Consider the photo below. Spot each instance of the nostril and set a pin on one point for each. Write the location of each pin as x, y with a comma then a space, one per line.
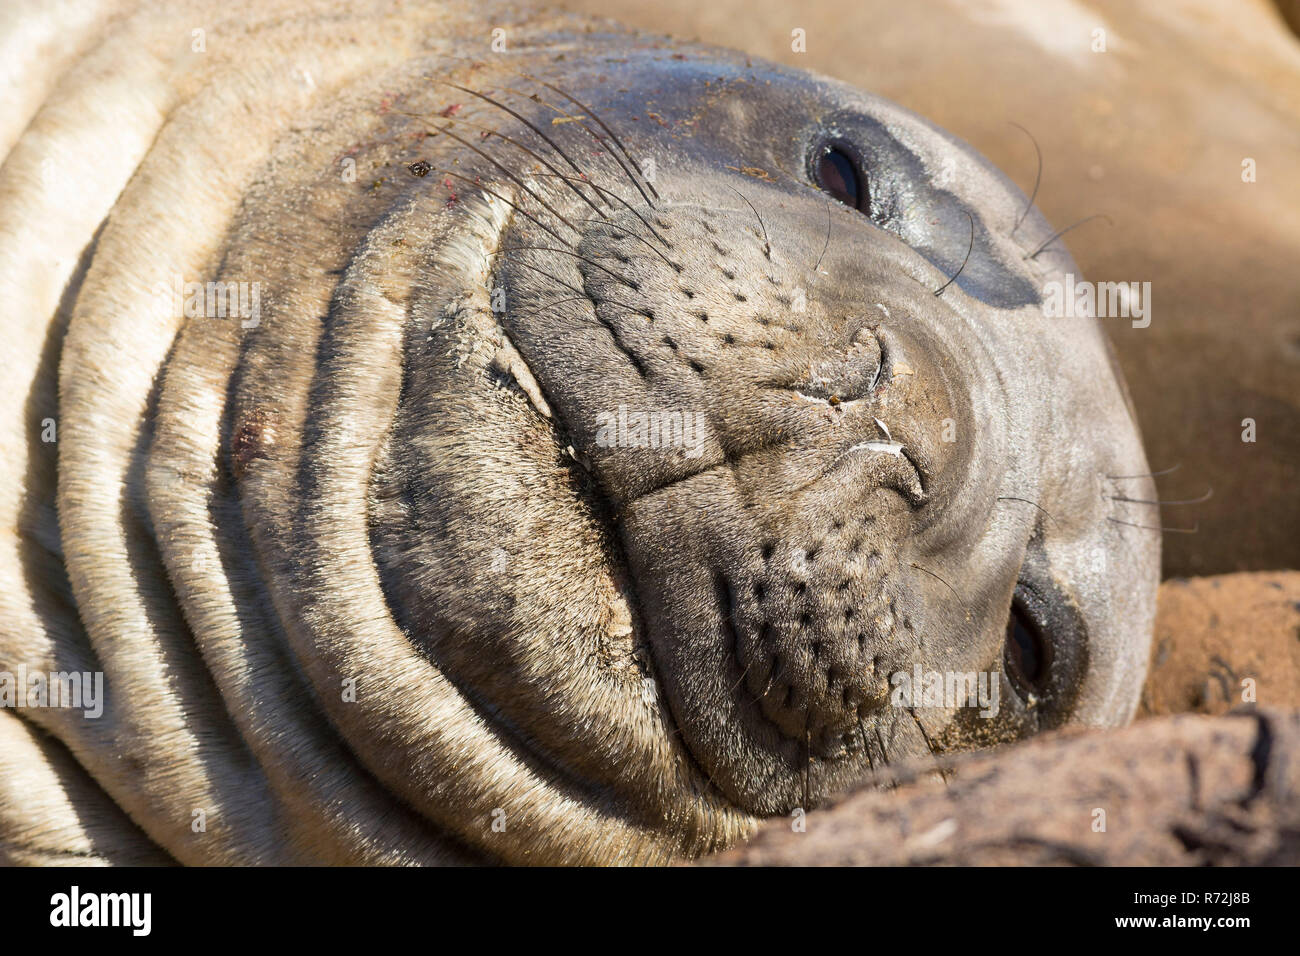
843, 374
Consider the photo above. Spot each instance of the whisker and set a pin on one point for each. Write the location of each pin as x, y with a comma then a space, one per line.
884, 754
512, 176
939, 291
632, 235
807, 770
921, 727
1147, 501
605, 324
550, 142
555, 279
537, 99
742, 676
537, 222
551, 305
631, 209
767, 245
827, 244
612, 135
862, 731
622, 305
941, 580
518, 145
604, 147
1028, 502
1145, 527
1060, 232
562, 114
631, 285
1038, 177
1154, 474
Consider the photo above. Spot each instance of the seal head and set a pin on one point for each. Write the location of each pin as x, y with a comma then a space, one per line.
822, 433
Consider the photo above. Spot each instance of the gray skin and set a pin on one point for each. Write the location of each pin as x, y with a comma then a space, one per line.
780, 575
367, 581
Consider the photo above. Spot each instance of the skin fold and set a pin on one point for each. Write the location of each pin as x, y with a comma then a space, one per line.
372, 570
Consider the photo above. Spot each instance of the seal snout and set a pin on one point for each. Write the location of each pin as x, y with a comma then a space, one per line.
811, 623
785, 561
768, 449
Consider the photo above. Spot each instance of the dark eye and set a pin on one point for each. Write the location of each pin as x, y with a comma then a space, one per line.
837, 173
1026, 656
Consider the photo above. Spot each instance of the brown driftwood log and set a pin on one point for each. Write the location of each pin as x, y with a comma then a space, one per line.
1185, 789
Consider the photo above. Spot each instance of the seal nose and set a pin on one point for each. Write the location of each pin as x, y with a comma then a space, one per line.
849, 375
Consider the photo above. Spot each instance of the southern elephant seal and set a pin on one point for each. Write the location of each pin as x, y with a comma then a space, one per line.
549, 453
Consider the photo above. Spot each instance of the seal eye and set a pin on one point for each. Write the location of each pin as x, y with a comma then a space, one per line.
838, 174
1026, 656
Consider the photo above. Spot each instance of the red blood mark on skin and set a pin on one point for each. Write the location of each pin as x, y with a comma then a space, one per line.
452, 110
252, 439
451, 197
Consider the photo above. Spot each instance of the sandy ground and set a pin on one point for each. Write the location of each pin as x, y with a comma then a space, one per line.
1225, 641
